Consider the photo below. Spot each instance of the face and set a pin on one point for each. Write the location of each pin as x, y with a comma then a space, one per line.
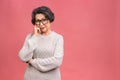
42, 23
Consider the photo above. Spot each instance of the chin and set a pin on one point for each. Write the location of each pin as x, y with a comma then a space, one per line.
44, 31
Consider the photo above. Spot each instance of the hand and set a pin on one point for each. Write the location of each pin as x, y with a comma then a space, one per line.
30, 61
36, 30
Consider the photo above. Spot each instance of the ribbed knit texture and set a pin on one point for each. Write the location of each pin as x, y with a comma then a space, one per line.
47, 53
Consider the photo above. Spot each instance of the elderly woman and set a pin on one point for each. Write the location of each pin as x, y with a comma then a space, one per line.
43, 48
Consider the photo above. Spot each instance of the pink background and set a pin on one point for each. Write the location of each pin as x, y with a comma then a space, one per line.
91, 29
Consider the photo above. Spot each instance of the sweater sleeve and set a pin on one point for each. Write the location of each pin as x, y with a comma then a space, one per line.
50, 63
26, 52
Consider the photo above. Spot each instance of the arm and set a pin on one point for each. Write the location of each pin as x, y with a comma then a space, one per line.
26, 51
48, 64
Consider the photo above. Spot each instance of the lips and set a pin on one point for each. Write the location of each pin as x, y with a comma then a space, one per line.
42, 28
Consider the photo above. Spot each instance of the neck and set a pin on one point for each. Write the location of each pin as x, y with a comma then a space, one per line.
46, 33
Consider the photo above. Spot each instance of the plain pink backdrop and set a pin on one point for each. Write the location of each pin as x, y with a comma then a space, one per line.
91, 30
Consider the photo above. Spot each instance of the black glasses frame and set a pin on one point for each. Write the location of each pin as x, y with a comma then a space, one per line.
43, 21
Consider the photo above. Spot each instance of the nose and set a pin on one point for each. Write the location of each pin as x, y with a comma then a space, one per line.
41, 23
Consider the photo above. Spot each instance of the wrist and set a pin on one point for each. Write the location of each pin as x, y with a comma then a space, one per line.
30, 61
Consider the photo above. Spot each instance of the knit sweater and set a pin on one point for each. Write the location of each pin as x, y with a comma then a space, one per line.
47, 54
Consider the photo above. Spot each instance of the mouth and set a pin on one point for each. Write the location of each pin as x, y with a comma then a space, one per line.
42, 28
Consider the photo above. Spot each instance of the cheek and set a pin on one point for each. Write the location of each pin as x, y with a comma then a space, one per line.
47, 27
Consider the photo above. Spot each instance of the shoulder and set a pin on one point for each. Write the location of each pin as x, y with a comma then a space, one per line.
59, 38
57, 35
28, 36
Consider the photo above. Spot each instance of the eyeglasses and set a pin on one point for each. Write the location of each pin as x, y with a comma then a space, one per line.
43, 21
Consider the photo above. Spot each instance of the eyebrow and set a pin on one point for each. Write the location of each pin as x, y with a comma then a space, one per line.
41, 19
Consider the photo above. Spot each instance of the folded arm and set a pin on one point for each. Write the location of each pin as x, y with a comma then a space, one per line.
50, 63
26, 52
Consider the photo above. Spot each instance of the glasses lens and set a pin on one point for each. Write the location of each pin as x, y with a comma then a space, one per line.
43, 21
37, 22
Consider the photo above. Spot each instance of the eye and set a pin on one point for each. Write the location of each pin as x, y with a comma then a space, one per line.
44, 19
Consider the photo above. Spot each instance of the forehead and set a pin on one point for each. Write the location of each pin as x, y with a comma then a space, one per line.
40, 16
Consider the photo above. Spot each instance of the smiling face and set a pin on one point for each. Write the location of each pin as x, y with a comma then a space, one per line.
42, 23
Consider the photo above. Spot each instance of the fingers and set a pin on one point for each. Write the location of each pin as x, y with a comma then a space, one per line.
36, 30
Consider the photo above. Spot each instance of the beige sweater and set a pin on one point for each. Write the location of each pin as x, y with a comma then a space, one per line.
47, 53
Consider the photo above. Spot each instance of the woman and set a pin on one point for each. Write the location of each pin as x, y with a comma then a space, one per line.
43, 48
